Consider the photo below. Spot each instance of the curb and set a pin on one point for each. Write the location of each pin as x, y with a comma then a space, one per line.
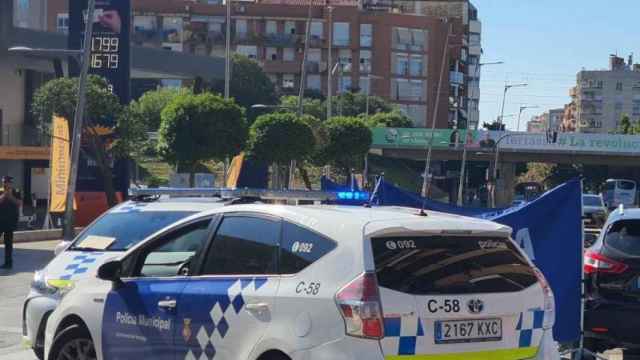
38, 235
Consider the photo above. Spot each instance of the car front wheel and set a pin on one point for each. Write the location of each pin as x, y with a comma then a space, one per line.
73, 343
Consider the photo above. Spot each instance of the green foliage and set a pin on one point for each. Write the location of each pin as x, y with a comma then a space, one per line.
355, 104
59, 97
249, 84
280, 138
201, 127
495, 126
348, 140
628, 127
394, 119
149, 106
313, 107
131, 140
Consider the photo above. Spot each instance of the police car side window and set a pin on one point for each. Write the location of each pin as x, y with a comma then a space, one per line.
244, 246
176, 253
301, 247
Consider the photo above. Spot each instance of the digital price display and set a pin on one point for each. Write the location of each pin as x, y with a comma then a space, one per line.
109, 41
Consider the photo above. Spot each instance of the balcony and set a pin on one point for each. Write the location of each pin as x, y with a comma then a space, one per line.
456, 78
475, 27
247, 38
23, 135
281, 40
475, 49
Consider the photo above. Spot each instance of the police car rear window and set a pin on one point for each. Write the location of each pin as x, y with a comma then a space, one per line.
624, 236
450, 265
129, 228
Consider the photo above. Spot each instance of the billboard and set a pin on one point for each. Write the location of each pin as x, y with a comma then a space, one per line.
110, 46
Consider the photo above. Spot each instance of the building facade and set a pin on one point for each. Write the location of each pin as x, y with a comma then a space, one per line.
380, 48
603, 97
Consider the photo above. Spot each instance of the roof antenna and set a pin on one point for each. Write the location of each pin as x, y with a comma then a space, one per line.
621, 208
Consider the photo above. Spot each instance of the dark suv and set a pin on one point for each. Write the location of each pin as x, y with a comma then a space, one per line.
612, 274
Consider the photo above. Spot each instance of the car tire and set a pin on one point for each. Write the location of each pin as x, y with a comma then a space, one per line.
274, 355
39, 351
73, 340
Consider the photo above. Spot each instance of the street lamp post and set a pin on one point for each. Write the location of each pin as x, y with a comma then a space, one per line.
464, 147
504, 97
523, 108
426, 183
330, 64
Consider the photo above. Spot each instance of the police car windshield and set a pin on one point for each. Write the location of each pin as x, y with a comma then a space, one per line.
118, 231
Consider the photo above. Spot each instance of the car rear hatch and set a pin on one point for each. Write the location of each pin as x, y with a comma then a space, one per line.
615, 268
455, 292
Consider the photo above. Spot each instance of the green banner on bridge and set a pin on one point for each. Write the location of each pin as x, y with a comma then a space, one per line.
421, 137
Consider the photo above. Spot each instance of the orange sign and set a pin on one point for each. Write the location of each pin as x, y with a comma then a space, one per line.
24, 153
60, 165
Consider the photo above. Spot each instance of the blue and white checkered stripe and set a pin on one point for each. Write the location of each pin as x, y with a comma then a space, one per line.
223, 312
79, 265
404, 334
529, 329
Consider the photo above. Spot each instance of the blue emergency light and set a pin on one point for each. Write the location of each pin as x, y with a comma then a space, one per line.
353, 195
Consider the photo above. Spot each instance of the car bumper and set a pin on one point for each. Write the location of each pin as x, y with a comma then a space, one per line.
614, 323
346, 348
35, 311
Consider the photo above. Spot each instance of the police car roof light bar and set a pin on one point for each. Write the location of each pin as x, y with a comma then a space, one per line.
227, 193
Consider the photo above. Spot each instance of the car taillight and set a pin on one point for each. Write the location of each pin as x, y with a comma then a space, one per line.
549, 301
359, 304
597, 263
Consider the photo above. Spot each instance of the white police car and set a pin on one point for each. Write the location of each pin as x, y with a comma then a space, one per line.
108, 237
273, 282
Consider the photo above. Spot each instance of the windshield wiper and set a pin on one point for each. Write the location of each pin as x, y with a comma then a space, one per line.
86, 248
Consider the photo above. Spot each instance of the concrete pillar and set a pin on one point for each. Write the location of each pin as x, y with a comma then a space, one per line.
506, 182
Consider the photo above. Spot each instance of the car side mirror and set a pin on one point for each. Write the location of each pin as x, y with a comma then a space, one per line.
110, 271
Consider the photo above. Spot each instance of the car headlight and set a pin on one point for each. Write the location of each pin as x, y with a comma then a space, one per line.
43, 285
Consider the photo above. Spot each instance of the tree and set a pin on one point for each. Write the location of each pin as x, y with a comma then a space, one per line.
280, 138
348, 141
627, 127
149, 106
355, 104
551, 175
495, 126
104, 121
313, 107
394, 119
249, 84
201, 127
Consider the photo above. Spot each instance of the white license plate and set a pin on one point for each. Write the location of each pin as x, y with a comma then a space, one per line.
461, 331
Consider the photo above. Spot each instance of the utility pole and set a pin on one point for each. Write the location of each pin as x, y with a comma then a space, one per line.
504, 98
330, 63
426, 183
69, 216
523, 108
303, 75
227, 76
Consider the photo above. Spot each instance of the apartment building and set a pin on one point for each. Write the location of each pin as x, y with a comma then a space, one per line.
603, 97
379, 50
549, 120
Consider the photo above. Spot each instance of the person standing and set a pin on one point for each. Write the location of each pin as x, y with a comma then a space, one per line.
10, 203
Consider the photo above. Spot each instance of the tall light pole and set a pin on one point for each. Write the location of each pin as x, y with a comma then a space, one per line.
463, 166
504, 97
227, 52
523, 108
427, 166
365, 172
69, 216
330, 63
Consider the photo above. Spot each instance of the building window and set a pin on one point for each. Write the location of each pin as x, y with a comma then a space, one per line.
250, 51
344, 58
288, 81
314, 55
317, 30
417, 40
401, 64
271, 53
364, 83
409, 39
271, 27
288, 54
341, 36
365, 61
344, 84
415, 66
636, 107
241, 28
407, 90
215, 25
417, 113
290, 27
417, 90
314, 82
62, 23
366, 35
619, 86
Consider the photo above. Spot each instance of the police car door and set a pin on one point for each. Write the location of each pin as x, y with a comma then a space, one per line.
226, 310
140, 314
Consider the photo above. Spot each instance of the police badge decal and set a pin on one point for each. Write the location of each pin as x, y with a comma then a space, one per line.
186, 330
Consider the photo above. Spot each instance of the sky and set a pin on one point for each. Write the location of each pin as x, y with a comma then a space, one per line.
544, 43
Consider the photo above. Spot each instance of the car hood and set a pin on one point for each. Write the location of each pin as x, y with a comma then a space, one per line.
75, 265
